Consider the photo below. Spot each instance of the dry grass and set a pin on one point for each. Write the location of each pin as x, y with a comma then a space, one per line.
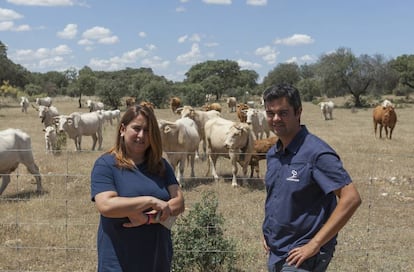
55, 231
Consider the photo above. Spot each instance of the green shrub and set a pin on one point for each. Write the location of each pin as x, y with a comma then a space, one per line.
199, 243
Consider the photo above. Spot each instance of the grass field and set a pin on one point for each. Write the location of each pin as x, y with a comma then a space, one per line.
56, 230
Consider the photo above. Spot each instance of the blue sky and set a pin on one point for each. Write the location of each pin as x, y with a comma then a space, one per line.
172, 35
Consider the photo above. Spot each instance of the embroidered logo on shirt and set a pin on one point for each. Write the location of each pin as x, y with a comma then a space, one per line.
294, 176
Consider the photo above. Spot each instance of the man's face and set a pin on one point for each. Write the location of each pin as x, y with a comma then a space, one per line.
282, 119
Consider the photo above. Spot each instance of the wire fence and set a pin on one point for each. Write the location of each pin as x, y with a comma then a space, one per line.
55, 230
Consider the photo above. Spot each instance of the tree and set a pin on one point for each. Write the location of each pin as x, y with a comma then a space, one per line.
404, 65
224, 73
15, 74
191, 94
155, 92
109, 92
282, 73
342, 73
86, 83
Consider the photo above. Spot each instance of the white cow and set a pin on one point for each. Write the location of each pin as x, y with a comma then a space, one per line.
251, 104
231, 140
106, 115
116, 114
24, 103
200, 118
50, 138
386, 103
180, 141
109, 115
44, 101
16, 148
78, 124
47, 114
257, 120
94, 106
232, 103
327, 109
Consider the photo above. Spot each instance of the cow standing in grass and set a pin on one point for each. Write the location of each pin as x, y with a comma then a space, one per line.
16, 148
78, 124
385, 117
231, 140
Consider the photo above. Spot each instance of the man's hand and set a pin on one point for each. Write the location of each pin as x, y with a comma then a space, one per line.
300, 254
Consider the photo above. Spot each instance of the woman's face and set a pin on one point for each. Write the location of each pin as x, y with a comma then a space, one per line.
136, 136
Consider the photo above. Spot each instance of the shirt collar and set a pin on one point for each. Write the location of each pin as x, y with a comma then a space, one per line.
294, 145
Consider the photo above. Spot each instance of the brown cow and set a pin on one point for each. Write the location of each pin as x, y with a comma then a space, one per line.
232, 103
175, 103
261, 146
241, 112
147, 104
129, 101
212, 106
384, 117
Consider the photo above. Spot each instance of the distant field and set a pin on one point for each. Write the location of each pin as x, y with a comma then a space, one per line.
56, 230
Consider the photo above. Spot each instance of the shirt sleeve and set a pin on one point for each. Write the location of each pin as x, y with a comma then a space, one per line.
329, 172
169, 171
102, 178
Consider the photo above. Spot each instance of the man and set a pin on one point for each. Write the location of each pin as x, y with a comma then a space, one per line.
310, 196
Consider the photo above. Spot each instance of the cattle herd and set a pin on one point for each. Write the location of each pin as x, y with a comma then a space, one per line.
244, 142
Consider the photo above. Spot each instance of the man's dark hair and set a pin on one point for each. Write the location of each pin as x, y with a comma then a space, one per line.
283, 90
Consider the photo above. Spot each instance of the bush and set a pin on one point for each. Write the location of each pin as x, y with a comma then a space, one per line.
198, 239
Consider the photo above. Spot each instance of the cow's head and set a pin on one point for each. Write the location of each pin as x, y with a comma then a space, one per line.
237, 136
63, 121
42, 112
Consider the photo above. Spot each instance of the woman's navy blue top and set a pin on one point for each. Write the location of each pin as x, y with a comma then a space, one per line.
142, 248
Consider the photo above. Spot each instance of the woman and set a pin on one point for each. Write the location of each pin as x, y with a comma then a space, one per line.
134, 188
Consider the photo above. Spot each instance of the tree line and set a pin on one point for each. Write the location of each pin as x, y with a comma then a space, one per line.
334, 74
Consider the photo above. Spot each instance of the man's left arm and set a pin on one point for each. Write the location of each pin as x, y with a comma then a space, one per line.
348, 201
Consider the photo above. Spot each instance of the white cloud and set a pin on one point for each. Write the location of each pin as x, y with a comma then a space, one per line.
301, 60
218, 2
85, 42
295, 39
49, 3
211, 44
8, 15
156, 63
142, 34
9, 26
134, 54
191, 57
100, 35
256, 2
244, 64
182, 39
42, 58
61, 50
267, 53
69, 32
180, 9
5, 26
22, 28
109, 40
195, 38
308, 58
126, 59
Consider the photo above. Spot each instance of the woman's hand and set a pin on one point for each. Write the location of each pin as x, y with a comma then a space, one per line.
136, 219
